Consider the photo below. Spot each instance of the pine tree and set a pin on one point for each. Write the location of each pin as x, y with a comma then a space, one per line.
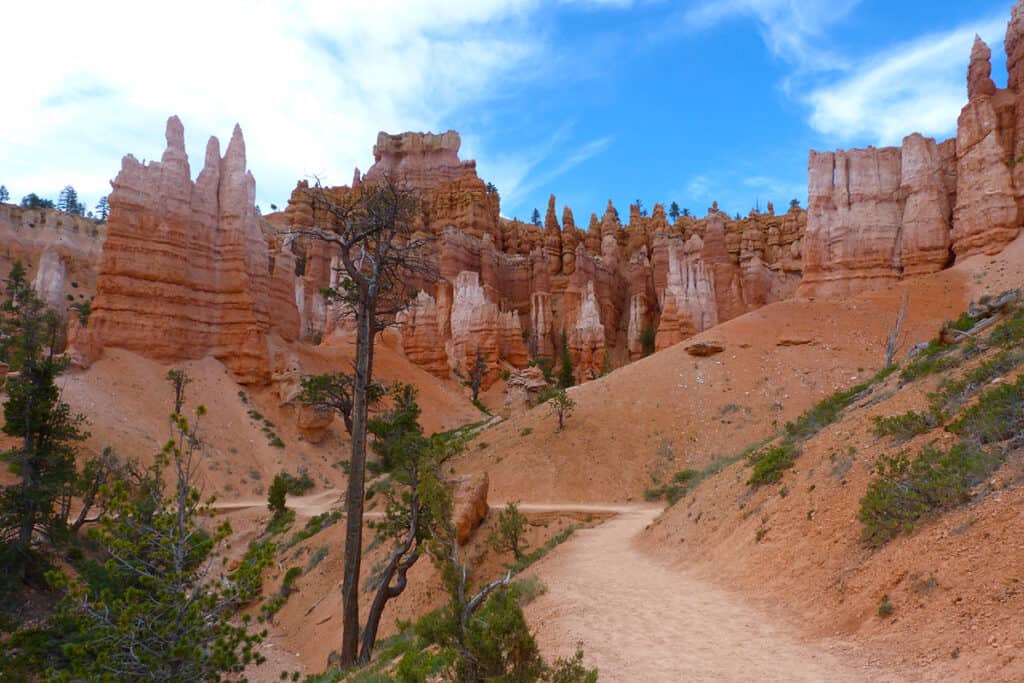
102, 209
68, 200
34, 413
4, 194
153, 611
673, 211
34, 201
535, 218
507, 536
565, 375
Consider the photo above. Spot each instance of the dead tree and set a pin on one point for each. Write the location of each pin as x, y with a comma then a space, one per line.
893, 341
371, 229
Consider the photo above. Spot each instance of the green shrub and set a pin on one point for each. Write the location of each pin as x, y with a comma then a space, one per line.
997, 416
317, 557
248, 578
828, 411
964, 323
682, 483
273, 605
933, 359
314, 525
769, 464
526, 431
906, 491
296, 486
885, 607
1010, 332
904, 427
953, 393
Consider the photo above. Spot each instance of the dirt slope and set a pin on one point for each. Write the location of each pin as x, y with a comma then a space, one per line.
127, 400
672, 411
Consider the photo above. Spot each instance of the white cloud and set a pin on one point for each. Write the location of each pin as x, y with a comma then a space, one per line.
792, 29
311, 83
915, 87
518, 174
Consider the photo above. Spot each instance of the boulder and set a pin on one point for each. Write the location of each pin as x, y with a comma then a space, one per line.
702, 349
469, 504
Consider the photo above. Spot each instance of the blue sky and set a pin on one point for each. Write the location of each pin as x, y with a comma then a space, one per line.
692, 101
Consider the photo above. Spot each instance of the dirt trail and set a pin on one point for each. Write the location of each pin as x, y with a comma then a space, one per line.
642, 621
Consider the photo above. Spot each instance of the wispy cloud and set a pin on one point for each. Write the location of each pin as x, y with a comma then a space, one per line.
310, 82
517, 175
917, 86
793, 30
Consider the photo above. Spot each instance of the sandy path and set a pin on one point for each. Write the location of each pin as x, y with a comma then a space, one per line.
640, 620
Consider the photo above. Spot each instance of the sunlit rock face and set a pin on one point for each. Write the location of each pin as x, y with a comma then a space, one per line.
187, 269
513, 291
876, 216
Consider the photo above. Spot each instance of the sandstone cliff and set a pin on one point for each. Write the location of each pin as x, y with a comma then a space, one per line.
186, 269
61, 252
876, 216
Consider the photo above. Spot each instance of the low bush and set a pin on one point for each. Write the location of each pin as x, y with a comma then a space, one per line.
885, 607
905, 491
997, 416
1010, 332
953, 393
828, 411
770, 463
682, 483
314, 525
272, 606
933, 359
904, 427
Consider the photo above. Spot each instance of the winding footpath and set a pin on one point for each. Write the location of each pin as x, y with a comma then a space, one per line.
640, 620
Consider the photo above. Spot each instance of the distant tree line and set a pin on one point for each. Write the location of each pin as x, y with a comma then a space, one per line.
67, 201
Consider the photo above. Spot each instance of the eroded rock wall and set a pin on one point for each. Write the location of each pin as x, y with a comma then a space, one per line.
876, 216
186, 269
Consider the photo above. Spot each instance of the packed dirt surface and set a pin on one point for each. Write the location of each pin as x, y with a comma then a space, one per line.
640, 620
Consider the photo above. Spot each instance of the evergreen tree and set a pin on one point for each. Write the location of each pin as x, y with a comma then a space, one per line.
477, 373
686, 212
44, 459
34, 201
565, 376
673, 211
102, 209
68, 200
794, 203
535, 218
152, 611
4, 194
507, 536
417, 501
562, 406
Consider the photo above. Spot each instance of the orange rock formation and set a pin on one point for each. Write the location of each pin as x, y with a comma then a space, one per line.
878, 215
512, 290
186, 269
